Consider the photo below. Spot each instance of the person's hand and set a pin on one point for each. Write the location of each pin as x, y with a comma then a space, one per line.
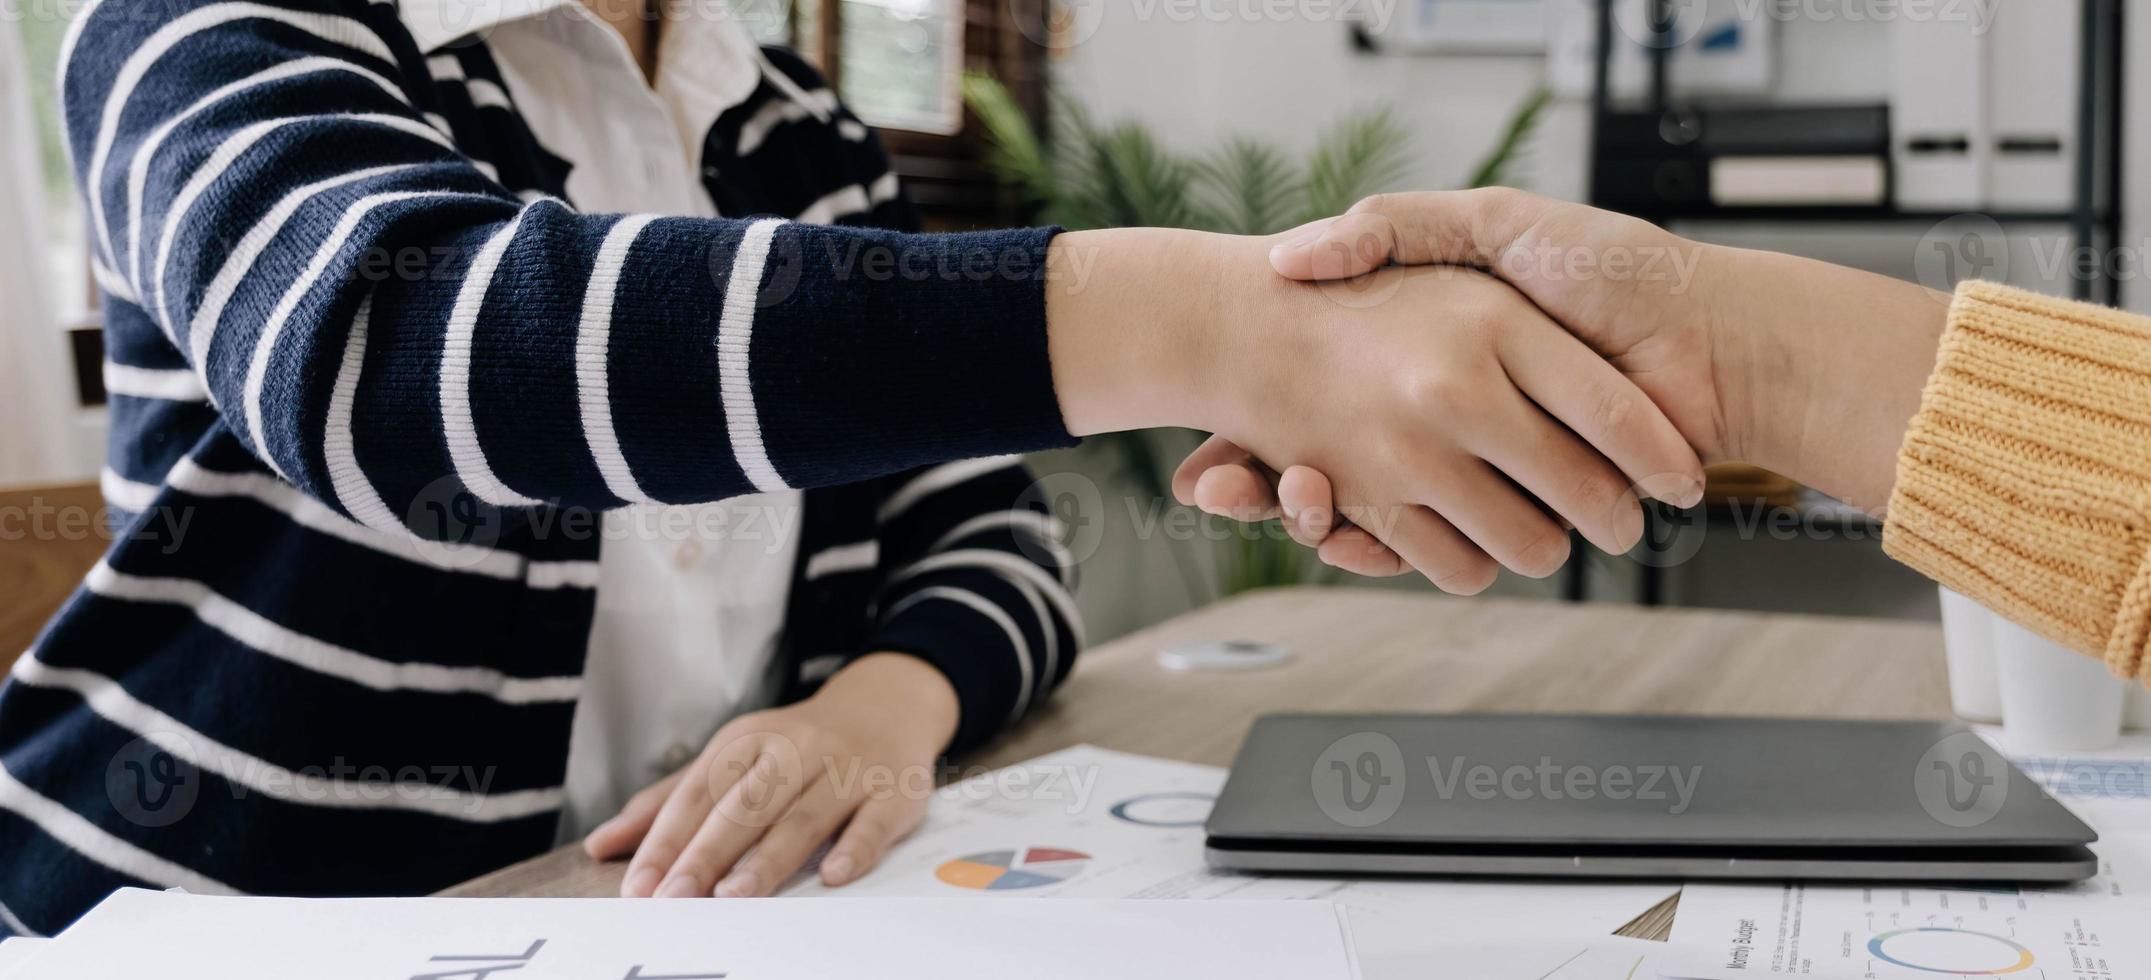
1456, 422
855, 762
1806, 368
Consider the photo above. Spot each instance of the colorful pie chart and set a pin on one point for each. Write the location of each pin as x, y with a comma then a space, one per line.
1029, 867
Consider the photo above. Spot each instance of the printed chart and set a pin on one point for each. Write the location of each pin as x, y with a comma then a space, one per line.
1897, 933
1172, 809
1030, 867
1959, 952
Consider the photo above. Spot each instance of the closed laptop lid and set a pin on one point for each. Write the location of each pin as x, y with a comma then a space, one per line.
1611, 780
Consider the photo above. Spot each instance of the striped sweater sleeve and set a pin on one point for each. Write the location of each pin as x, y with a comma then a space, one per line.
975, 580
382, 323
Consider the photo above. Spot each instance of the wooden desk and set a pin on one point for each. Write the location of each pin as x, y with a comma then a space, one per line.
1365, 650
49, 537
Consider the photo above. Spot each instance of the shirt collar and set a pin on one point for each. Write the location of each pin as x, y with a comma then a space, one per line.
436, 23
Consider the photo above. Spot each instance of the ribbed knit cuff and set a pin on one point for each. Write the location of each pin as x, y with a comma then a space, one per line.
2023, 479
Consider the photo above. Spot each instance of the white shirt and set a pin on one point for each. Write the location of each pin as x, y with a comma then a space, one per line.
690, 600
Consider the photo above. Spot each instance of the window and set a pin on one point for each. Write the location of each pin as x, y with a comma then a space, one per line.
899, 64
43, 26
902, 60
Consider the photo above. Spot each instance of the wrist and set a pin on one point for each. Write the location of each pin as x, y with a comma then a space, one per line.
1140, 325
898, 694
1821, 369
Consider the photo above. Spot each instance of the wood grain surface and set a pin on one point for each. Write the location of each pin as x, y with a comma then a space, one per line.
1367, 650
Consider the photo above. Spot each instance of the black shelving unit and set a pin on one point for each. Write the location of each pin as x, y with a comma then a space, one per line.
2094, 220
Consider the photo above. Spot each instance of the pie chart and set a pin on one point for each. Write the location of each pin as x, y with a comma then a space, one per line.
1029, 867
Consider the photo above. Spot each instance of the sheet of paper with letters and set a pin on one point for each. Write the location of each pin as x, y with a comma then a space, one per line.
2087, 931
1091, 823
171, 936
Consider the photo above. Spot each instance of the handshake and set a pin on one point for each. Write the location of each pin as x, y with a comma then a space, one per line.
1449, 382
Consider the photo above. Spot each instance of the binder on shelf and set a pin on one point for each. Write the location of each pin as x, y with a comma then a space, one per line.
1938, 106
2034, 76
1691, 161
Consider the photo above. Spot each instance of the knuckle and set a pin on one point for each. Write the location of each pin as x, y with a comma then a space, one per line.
1376, 203
1598, 495
1543, 555
1441, 395
1615, 412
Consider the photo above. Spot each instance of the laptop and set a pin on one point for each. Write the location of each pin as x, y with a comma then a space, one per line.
1604, 796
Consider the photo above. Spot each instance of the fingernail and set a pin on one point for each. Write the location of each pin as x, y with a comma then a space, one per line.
640, 882
837, 868
1694, 495
680, 886
739, 885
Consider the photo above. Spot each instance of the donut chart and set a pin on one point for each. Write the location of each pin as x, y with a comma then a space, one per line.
1169, 809
1010, 870
1956, 952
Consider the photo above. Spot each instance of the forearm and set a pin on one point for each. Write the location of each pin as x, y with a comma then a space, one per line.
1820, 368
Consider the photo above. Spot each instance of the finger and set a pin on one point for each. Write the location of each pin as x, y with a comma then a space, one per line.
742, 815
1309, 504
1214, 452
1240, 491
808, 825
1428, 542
1352, 549
1602, 406
1417, 228
1497, 517
1567, 476
614, 837
1336, 248
683, 813
879, 823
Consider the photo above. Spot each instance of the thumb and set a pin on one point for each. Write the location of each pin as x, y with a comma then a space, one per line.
1336, 248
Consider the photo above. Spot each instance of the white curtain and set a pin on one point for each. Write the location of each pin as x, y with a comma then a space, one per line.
39, 438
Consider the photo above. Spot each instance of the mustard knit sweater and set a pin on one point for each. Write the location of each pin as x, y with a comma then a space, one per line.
2025, 480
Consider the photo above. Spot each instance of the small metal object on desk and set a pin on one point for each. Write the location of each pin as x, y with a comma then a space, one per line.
1224, 655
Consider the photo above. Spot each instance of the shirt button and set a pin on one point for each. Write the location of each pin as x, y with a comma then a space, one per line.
687, 555
710, 171
676, 757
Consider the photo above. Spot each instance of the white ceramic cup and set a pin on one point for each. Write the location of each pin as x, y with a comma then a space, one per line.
2053, 698
1968, 640
2137, 716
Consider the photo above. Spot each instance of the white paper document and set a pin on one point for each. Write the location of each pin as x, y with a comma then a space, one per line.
2087, 931
1092, 823
171, 936
15, 956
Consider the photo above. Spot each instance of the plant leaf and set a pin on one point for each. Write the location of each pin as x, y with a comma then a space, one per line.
1362, 154
1014, 151
1249, 188
1500, 163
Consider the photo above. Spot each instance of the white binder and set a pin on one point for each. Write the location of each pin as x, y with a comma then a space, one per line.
1939, 137
2035, 70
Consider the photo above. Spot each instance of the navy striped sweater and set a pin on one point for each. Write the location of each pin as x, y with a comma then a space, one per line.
336, 647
